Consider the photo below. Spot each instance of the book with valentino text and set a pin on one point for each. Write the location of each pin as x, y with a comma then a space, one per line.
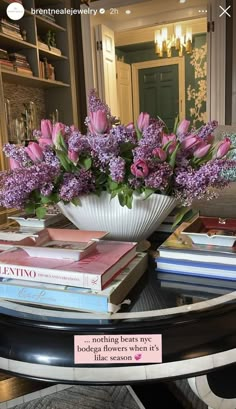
53, 295
95, 271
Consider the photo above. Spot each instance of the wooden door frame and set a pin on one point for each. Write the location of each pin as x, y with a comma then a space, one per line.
159, 63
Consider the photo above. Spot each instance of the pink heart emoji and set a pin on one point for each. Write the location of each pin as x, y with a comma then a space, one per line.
137, 357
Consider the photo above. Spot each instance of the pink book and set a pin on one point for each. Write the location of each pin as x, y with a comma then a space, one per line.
95, 271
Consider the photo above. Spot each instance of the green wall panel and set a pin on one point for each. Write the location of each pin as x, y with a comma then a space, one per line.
195, 73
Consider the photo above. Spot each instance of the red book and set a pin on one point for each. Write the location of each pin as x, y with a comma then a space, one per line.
95, 271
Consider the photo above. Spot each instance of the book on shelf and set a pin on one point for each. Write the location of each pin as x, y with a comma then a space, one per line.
108, 300
95, 271
205, 269
198, 280
12, 33
180, 247
6, 65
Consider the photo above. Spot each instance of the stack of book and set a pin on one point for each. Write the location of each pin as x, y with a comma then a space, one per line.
20, 63
5, 63
46, 70
180, 260
97, 282
10, 29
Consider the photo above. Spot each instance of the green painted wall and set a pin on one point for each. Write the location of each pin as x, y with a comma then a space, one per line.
195, 73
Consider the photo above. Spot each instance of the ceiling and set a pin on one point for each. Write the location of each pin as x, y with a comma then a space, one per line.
144, 13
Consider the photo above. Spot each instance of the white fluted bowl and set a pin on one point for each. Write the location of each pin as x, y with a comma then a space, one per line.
106, 214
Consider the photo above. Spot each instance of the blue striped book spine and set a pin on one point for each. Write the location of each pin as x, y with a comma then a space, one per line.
196, 268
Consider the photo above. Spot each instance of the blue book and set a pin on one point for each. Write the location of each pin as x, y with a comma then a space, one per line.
76, 298
196, 268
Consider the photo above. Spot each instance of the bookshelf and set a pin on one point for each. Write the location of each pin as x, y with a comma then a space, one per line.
50, 65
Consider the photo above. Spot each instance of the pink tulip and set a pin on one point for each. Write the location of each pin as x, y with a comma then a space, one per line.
201, 151
58, 129
73, 156
46, 128
45, 141
34, 151
166, 139
98, 122
159, 154
183, 127
190, 142
130, 126
139, 168
143, 121
223, 148
14, 164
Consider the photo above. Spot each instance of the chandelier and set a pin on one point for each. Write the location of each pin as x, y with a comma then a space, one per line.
173, 37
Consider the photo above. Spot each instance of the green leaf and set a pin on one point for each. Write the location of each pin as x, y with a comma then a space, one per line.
138, 132
173, 156
86, 163
76, 201
176, 124
41, 212
184, 215
45, 199
30, 208
65, 162
148, 192
129, 201
113, 185
121, 198
61, 142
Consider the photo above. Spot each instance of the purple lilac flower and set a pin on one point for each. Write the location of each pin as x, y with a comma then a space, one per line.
160, 177
152, 138
17, 185
104, 149
123, 134
50, 157
78, 143
193, 184
75, 184
117, 169
207, 130
135, 183
47, 189
17, 153
95, 103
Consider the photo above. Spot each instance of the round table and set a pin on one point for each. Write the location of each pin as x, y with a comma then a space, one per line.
198, 340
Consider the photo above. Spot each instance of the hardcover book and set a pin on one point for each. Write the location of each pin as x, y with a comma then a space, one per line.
178, 246
198, 280
107, 300
95, 271
202, 268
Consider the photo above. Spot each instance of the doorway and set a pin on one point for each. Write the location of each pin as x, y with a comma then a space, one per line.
159, 93
169, 71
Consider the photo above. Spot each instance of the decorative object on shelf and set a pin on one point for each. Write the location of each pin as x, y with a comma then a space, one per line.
131, 163
176, 36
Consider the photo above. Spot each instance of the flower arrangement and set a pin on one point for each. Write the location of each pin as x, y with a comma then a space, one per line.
62, 164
